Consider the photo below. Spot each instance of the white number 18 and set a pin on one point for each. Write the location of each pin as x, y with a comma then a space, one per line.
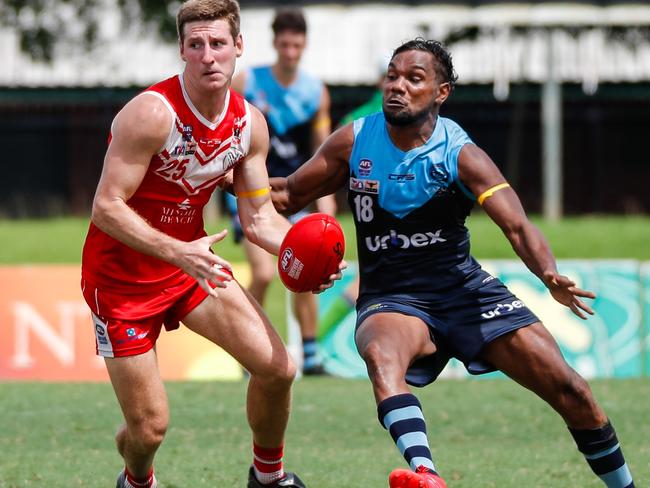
363, 208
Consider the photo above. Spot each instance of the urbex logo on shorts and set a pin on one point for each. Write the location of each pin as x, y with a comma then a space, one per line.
393, 239
502, 308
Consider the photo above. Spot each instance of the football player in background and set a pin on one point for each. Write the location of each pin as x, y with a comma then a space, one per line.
296, 106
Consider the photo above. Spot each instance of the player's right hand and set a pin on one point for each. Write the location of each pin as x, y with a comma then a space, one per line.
197, 260
332, 278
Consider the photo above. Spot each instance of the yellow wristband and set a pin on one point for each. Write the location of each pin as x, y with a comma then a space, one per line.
322, 122
491, 191
260, 192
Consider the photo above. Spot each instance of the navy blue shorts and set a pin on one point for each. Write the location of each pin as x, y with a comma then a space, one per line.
461, 321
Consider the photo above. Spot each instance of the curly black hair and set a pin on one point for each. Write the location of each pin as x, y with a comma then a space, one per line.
444, 67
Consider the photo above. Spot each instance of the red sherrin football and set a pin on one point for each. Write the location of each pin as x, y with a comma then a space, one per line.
310, 252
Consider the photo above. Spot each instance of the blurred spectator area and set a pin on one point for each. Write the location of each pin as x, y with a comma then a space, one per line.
55, 118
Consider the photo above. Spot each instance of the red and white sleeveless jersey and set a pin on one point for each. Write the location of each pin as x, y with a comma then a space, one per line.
175, 188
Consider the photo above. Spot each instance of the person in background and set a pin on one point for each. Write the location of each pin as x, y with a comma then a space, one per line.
296, 106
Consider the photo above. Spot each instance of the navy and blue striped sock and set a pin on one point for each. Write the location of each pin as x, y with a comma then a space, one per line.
603, 453
402, 416
311, 358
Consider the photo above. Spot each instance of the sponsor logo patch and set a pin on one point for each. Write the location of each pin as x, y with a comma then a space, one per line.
401, 178
356, 184
364, 186
371, 186
402, 241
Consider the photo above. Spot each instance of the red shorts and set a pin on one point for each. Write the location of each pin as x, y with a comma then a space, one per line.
129, 324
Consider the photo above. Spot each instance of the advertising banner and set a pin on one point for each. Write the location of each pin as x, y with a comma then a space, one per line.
608, 344
645, 280
46, 333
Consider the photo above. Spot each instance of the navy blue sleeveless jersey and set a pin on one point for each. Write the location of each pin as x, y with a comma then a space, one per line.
409, 210
289, 113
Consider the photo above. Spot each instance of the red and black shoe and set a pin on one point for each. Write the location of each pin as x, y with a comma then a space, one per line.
290, 480
423, 477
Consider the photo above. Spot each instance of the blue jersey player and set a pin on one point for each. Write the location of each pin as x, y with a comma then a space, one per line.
296, 107
413, 177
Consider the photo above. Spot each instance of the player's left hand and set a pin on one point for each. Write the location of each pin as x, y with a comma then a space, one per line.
565, 291
332, 278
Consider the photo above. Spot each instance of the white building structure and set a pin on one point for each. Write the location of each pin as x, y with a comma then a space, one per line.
347, 42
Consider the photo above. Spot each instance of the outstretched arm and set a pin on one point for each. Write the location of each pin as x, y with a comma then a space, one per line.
139, 131
323, 174
479, 173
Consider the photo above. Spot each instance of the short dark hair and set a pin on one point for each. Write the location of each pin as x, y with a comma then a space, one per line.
444, 67
193, 10
289, 19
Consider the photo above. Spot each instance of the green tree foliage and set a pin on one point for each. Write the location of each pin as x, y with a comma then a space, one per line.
160, 14
43, 25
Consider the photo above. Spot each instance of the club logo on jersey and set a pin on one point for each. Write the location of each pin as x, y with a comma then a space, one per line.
238, 125
184, 205
232, 156
437, 171
365, 167
401, 178
356, 184
402, 241
371, 186
502, 308
185, 148
236, 151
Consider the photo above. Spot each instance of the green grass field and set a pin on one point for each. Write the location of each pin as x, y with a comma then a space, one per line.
483, 434
60, 240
